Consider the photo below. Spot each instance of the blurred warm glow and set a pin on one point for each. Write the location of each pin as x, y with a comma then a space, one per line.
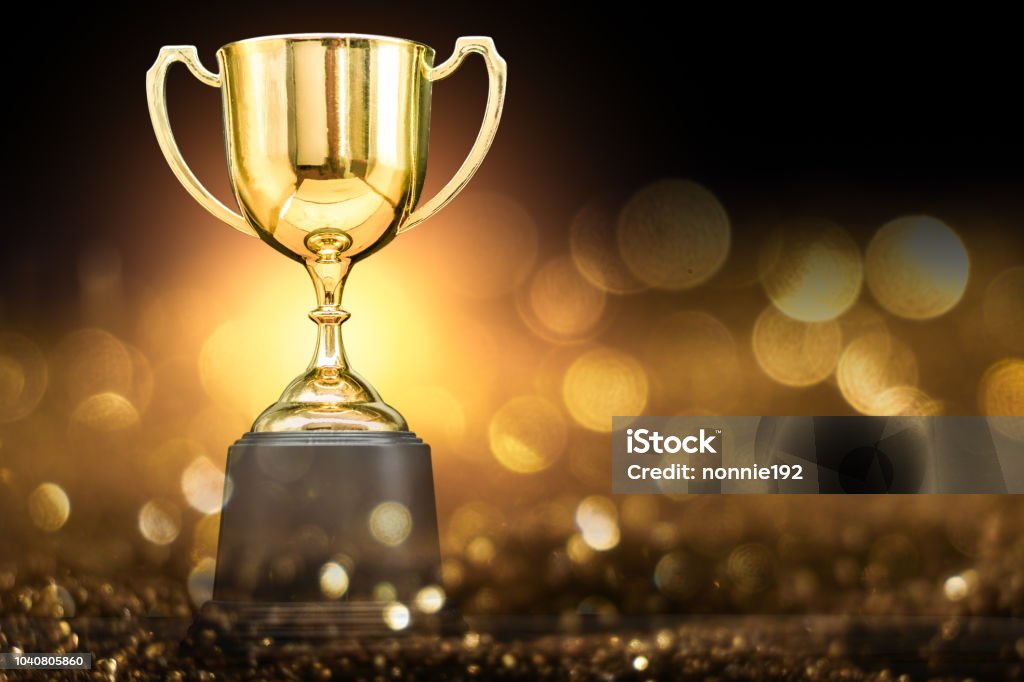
159, 522
559, 303
105, 412
436, 414
592, 243
1001, 394
397, 616
430, 599
603, 383
200, 581
674, 234
811, 271
390, 523
916, 267
333, 580
869, 366
694, 361
527, 434
91, 361
675, 575
23, 376
796, 353
597, 519
906, 401
49, 507
202, 482
1003, 307
490, 241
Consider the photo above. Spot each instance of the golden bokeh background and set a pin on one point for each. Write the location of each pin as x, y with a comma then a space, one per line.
509, 353
580, 276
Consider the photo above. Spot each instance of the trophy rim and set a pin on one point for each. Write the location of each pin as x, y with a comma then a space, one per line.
300, 37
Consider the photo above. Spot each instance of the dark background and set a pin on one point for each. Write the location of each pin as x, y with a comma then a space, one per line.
768, 108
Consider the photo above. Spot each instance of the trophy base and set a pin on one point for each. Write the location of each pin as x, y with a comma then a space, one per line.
232, 626
326, 534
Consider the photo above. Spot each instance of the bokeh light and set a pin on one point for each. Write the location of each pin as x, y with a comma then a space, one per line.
1003, 307
159, 522
92, 361
906, 401
202, 483
597, 520
200, 581
23, 376
677, 575
592, 243
430, 599
390, 523
436, 413
603, 383
673, 234
527, 434
796, 353
559, 304
488, 242
811, 270
696, 361
397, 616
105, 412
49, 507
333, 580
916, 267
1001, 395
872, 364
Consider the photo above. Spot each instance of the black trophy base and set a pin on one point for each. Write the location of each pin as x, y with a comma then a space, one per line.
325, 535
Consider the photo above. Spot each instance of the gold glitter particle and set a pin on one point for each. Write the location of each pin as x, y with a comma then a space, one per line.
916, 267
49, 507
603, 383
811, 271
674, 234
527, 434
796, 353
159, 522
390, 523
333, 580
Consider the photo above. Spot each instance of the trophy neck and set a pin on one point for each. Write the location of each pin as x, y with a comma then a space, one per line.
329, 396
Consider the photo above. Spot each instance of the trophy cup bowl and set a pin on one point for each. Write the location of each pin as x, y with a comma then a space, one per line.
326, 140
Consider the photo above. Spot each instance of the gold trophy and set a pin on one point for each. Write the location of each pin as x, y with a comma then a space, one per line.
326, 139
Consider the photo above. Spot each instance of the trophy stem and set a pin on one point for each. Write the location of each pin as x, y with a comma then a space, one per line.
329, 396
328, 271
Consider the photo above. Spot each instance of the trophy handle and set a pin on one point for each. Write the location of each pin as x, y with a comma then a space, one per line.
156, 91
496, 70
